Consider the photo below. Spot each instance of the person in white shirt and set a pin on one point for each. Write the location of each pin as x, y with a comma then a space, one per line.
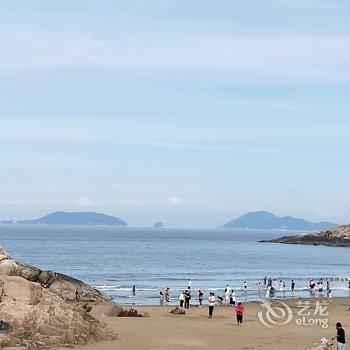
227, 295
232, 298
211, 303
189, 283
281, 286
182, 299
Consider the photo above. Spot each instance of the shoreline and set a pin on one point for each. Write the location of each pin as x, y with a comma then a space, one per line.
194, 330
271, 300
250, 296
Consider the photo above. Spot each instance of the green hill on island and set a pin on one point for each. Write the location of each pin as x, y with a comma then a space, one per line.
80, 218
268, 221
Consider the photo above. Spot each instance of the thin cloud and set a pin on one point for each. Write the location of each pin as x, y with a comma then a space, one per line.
175, 200
85, 201
293, 56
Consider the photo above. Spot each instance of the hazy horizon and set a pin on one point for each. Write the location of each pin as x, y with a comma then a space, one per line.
186, 112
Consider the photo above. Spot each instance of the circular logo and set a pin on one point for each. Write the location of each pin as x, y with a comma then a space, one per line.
275, 315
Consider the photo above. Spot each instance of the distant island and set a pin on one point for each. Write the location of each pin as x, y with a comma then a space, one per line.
6, 222
80, 218
268, 221
337, 237
158, 225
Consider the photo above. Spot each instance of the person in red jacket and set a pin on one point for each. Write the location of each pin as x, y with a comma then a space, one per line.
239, 313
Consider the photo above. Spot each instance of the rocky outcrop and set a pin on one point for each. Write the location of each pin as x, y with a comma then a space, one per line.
68, 288
42, 309
337, 237
178, 311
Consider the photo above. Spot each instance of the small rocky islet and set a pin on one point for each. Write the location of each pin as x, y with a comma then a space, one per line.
336, 237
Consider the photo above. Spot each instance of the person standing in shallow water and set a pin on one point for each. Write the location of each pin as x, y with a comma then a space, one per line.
211, 303
200, 298
292, 286
187, 299
189, 283
133, 290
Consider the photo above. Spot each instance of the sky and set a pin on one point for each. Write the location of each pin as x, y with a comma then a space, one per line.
189, 112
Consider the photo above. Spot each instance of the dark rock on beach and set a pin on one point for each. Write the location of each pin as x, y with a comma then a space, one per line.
337, 237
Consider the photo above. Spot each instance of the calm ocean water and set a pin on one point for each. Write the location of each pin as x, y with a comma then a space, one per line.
116, 259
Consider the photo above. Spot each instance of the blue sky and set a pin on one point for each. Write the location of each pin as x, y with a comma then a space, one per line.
187, 112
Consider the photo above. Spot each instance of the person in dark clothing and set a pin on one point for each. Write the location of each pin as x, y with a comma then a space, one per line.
133, 290
187, 299
340, 336
200, 297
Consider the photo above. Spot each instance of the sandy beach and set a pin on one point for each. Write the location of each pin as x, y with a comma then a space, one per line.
195, 330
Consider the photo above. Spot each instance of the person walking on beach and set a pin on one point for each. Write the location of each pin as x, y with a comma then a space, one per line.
340, 336
200, 298
239, 313
211, 303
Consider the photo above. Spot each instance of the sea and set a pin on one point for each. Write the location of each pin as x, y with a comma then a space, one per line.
115, 259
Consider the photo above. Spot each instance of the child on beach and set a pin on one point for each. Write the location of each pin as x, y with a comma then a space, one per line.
211, 303
239, 313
